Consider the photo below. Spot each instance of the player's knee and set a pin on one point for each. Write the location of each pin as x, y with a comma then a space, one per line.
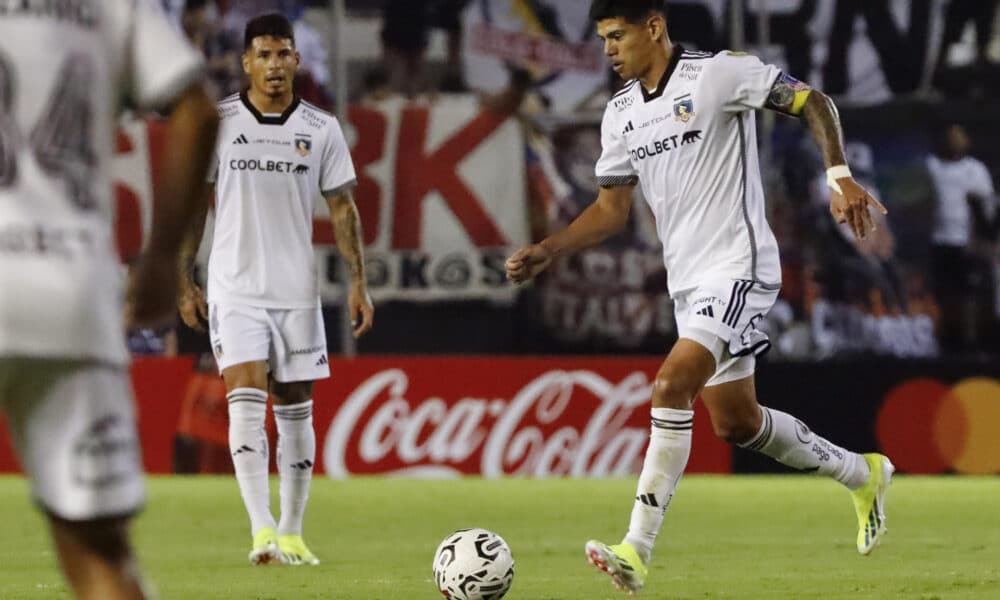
734, 430
291, 393
673, 389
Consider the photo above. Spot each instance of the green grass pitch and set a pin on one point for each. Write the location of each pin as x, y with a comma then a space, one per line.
724, 537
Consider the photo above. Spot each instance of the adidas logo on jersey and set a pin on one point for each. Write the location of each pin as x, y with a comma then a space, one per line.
628, 128
707, 312
242, 140
322, 361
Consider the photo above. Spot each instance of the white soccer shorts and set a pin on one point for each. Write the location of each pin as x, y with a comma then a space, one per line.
723, 316
291, 341
74, 429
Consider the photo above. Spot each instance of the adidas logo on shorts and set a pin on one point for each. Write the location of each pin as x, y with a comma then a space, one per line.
322, 361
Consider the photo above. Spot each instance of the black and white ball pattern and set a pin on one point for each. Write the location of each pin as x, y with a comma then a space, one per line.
473, 564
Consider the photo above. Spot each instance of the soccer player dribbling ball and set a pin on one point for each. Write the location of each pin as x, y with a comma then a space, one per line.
683, 128
276, 154
66, 70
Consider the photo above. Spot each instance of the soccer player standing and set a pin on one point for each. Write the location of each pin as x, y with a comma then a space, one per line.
683, 128
66, 68
276, 154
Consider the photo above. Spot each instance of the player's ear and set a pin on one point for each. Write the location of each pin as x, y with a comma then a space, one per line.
298, 58
245, 59
656, 26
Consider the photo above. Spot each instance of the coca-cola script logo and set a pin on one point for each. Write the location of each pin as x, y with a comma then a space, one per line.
561, 423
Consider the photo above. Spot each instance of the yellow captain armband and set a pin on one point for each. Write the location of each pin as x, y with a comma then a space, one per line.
788, 95
800, 100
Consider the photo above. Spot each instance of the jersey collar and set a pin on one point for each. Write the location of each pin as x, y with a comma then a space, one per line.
671, 66
263, 120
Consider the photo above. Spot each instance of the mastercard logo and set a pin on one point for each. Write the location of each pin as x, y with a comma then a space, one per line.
926, 426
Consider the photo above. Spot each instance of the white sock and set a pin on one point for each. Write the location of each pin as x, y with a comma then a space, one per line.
248, 446
666, 458
788, 441
296, 455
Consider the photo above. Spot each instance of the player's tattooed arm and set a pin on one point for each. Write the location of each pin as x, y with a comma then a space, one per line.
347, 228
788, 95
850, 202
823, 119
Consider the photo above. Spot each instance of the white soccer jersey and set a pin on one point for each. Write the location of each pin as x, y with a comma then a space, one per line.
692, 144
270, 170
65, 68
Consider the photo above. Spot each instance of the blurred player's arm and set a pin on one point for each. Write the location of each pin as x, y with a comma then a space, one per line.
849, 201
605, 217
190, 138
347, 228
190, 297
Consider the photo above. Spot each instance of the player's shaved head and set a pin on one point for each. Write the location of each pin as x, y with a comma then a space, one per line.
633, 11
270, 25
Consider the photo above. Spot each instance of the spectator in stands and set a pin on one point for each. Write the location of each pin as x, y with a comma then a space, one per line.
961, 270
977, 75
406, 32
202, 26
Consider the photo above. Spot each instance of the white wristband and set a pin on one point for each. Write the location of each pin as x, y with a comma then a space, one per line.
835, 173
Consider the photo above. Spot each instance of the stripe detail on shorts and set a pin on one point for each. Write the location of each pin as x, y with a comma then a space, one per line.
737, 300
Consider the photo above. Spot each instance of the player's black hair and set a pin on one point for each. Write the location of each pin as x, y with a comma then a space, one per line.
272, 24
633, 11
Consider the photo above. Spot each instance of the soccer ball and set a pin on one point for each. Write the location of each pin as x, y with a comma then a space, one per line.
473, 564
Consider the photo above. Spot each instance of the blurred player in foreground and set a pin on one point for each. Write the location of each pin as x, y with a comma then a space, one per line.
276, 155
65, 69
683, 127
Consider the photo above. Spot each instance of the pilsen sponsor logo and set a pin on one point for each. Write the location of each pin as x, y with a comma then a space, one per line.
380, 429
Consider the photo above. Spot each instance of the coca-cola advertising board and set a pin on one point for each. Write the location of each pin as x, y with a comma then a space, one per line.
529, 417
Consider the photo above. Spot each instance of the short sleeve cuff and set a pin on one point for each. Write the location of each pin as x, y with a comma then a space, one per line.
613, 181
340, 189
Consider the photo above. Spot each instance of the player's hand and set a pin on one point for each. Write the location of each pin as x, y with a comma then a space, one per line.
852, 205
359, 304
192, 306
152, 293
528, 262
